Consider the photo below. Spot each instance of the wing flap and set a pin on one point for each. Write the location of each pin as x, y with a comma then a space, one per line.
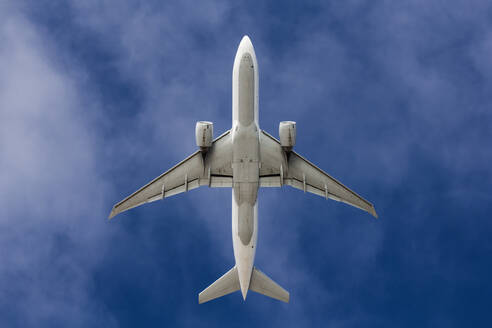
270, 181
220, 182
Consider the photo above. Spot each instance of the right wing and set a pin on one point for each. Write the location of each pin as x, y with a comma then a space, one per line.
212, 168
278, 168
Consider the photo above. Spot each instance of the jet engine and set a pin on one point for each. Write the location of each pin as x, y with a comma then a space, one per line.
287, 133
204, 132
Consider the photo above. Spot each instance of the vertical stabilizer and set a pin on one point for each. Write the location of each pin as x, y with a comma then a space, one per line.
226, 284
262, 284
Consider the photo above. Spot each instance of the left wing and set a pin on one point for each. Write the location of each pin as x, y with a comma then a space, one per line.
212, 168
279, 168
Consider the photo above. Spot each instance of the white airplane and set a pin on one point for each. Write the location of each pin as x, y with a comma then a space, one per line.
244, 158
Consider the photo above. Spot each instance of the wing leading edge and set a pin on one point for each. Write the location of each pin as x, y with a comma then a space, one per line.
212, 169
296, 171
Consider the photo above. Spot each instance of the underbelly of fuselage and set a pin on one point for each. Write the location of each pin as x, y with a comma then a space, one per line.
245, 162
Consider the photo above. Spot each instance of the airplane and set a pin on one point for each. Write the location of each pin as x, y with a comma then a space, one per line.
245, 158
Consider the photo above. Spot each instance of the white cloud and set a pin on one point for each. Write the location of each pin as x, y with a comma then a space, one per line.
52, 216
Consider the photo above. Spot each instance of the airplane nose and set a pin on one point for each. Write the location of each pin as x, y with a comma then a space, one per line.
246, 39
246, 42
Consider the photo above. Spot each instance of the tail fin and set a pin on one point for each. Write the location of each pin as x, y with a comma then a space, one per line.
262, 284
229, 283
226, 284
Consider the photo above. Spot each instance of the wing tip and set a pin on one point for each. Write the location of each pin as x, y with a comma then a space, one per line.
373, 212
112, 214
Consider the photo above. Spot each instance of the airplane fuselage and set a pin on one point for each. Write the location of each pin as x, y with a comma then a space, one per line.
245, 160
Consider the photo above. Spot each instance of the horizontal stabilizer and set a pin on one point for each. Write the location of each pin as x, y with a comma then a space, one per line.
262, 284
226, 284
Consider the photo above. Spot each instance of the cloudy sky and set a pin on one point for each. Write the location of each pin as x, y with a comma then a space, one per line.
392, 98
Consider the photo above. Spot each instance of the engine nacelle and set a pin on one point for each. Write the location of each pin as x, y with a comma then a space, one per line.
204, 133
287, 133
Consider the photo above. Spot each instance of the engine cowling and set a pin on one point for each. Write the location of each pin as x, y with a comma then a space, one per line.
287, 133
204, 133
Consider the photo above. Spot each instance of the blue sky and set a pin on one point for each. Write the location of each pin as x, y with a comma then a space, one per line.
392, 98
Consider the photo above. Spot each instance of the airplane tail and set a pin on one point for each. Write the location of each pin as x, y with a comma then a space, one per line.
226, 284
229, 283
